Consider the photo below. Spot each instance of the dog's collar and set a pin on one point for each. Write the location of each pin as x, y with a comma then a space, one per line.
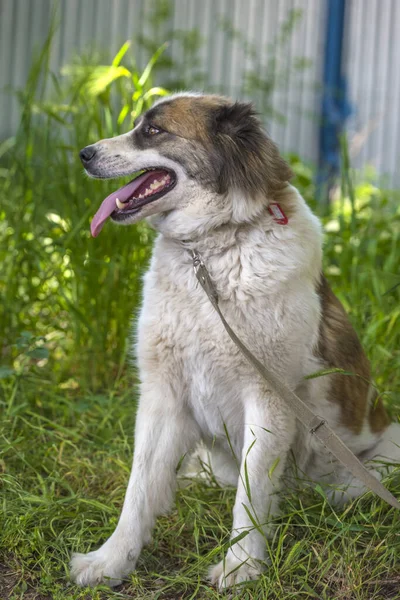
276, 211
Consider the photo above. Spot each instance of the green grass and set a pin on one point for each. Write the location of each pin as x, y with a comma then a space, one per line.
67, 399
65, 464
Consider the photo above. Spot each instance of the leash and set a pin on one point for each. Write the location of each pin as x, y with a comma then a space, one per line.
315, 424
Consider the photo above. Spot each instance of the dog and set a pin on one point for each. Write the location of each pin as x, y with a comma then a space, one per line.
212, 181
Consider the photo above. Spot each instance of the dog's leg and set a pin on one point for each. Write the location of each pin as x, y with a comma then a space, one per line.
165, 431
211, 464
268, 434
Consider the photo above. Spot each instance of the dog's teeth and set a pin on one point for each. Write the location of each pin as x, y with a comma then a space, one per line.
119, 203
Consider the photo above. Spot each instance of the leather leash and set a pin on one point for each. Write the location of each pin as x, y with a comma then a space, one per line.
315, 424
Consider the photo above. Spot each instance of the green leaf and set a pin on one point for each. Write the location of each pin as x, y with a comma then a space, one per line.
121, 53
320, 491
333, 371
105, 76
38, 353
273, 467
155, 91
149, 67
6, 372
138, 110
123, 113
237, 539
294, 552
27, 335
135, 79
251, 517
7, 145
96, 79
246, 475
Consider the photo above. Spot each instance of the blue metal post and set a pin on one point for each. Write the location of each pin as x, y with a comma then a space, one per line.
335, 108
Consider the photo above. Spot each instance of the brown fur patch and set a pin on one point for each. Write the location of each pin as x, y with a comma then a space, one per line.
187, 116
340, 348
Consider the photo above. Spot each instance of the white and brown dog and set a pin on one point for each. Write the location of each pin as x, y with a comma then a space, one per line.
213, 181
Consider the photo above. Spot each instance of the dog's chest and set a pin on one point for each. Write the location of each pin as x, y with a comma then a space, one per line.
182, 341
178, 322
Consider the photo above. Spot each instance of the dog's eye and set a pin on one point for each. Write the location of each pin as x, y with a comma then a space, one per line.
152, 130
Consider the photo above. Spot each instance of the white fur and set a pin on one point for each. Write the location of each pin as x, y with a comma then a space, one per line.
195, 385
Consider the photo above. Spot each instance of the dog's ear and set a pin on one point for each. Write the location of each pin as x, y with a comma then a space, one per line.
238, 120
250, 161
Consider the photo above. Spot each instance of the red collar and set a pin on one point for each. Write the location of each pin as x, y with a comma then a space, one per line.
278, 214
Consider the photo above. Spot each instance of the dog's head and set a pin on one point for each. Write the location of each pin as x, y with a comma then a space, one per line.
203, 161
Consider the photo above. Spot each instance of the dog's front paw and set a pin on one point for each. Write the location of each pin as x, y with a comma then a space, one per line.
101, 566
232, 571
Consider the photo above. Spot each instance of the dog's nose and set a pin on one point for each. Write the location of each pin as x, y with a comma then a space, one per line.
86, 154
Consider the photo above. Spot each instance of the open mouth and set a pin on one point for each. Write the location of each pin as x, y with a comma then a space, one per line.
152, 184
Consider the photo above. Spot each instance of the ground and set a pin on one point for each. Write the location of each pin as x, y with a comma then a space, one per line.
64, 471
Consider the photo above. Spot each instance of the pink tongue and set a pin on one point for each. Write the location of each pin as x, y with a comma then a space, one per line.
108, 205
